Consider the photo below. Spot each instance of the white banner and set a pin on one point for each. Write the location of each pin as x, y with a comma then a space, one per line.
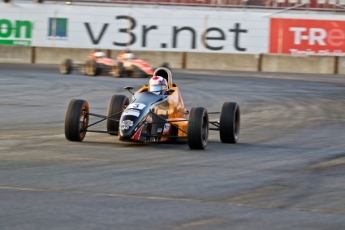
151, 29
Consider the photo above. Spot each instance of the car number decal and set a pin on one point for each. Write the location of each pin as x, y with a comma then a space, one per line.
139, 106
131, 112
126, 124
166, 127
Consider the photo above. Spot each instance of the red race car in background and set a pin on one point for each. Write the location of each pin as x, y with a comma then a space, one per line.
126, 65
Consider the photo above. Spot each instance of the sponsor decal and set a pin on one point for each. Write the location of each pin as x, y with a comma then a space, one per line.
183, 36
126, 124
57, 28
139, 106
307, 36
166, 127
15, 33
131, 112
136, 136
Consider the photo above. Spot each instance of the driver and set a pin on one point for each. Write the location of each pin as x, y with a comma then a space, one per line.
158, 85
96, 54
99, 54
127, 55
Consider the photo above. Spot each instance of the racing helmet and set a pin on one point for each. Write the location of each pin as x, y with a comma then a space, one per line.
99, 54
157, 84
128, 56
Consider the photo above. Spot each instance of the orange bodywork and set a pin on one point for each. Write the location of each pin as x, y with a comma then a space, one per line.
175, 113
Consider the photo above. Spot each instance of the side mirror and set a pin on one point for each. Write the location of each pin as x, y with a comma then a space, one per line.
170, 91
129, 88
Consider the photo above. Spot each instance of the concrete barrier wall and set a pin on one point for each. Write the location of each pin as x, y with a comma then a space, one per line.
298, 64
341, 65
211, 61
178, 60
15, 54
56, 55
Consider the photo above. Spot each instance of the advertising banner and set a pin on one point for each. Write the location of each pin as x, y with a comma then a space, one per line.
15, 32
151, 29
170, 29
307, 36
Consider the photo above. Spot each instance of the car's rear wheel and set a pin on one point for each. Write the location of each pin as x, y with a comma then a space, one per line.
76, 120
198, 128
91, 68
165, 64
138, 73
115, 71
229, 130
117, 103
66, 66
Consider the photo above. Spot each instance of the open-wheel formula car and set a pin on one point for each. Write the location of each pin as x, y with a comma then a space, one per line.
98, 64
154, 118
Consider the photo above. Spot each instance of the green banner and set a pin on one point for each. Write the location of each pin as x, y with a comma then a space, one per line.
15, 42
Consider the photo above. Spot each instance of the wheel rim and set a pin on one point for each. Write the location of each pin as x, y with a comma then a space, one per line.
204, 129
83, 121
236, 124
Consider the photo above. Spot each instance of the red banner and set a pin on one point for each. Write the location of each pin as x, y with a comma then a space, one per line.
305, 36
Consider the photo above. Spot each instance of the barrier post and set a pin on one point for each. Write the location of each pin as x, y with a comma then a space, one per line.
33, 55
184, 60
336, 64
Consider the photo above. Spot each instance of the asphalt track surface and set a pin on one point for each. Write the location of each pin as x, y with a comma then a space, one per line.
286, 172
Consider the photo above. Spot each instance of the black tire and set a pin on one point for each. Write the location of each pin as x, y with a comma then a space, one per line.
198, 128
115, 72
77, 119
91, 68
229, 130
117, 103
66, 66
120, 69
138, 73
166, 65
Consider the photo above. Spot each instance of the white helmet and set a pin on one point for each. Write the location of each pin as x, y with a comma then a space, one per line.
157, 84
128, 56
99, 54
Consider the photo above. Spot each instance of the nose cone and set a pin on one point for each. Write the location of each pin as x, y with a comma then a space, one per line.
127, 127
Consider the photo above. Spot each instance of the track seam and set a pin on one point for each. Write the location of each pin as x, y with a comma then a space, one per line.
167, 199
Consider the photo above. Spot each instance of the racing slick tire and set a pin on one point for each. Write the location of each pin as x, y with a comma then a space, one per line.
121, 69
66, 66
117, 103
166, 65
76, 120
138, 73
115, 72
91, 68
229, 129
198, 128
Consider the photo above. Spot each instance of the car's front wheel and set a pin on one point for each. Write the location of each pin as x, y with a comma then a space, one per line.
229, 130
66, 66
91, 68
117, 104
198, 128
76, 120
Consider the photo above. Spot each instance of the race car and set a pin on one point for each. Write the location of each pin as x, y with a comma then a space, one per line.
126, 65
154, 118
